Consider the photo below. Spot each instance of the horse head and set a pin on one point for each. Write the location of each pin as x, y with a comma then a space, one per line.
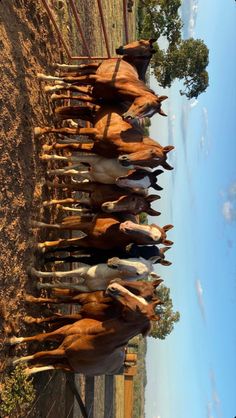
145, 105
142, 48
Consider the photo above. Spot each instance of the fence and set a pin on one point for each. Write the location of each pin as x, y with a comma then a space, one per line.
119, 404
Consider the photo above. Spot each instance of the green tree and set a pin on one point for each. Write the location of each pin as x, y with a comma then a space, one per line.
168, 317
161, 18
186, 61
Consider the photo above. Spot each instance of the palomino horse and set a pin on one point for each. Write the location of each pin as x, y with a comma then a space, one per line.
107, 198
94, 256
112, 137
90, 346
97, 277
96, 305
105, 170
116, 79
105, 232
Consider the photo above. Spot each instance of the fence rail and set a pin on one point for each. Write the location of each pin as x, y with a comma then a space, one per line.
81, 31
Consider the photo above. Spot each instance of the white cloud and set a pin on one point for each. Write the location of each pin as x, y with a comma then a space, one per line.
229, 211
199, 291
193, 103
229, 205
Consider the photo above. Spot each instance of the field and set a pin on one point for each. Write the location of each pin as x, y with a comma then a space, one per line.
28, 46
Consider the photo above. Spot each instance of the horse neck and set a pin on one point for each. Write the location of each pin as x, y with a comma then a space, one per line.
139, 63
126, 329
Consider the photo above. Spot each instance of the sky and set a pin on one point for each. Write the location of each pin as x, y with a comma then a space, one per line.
192, 372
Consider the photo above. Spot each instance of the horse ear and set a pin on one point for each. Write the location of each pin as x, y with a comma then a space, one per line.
167, 242
158, 172
164, 249
156, 187
152, 40
168, 148
153, 197
165, 263
168, 227
152, 212
157, 283
154, 275
162, 98
166, 166
160, 111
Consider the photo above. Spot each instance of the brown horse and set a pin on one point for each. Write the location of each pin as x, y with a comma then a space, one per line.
95, 305
105, 232
137, 53
116, 79
90, 346
107, 198
112, 135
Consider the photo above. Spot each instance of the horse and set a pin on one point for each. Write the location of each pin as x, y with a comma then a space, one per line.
113, 137
95, 305
97, 277
107, 198
105, 232
105, 170
137, 53
90, 346
93, 256
115, 79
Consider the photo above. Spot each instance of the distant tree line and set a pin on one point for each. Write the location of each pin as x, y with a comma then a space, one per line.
183, 59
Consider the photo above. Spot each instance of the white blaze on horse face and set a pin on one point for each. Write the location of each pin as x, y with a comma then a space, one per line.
143, 183
152, 231
123, 291
132, 267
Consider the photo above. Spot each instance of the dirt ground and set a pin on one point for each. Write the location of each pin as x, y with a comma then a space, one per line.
28, 45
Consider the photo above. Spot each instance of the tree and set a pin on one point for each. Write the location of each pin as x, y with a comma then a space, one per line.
168, 317
161, 18
182, 59
186, 61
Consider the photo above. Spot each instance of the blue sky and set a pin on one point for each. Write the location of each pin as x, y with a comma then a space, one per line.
192, 372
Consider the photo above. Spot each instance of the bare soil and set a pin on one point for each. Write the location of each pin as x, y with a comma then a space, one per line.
28, 45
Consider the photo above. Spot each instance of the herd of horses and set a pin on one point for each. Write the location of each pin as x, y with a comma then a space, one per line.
113, 280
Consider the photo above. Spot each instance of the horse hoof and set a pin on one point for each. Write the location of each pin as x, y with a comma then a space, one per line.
38, 131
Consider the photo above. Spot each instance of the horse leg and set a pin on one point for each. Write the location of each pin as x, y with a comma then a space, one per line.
63, 243
59, 275
56, 366
77, 112
83, 79
76, 67
68, 200
65, 319
91, 132
86, 90
83, 98
41, 355
57, 335
71, 286
69, 146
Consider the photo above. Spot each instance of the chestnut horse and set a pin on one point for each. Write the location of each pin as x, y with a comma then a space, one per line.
106, 232
116, 79
90, 346
112, 135
96, 305
137, 53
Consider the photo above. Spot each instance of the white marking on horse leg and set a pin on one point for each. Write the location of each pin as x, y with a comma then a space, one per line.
32, 370
15, 340
22, 360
